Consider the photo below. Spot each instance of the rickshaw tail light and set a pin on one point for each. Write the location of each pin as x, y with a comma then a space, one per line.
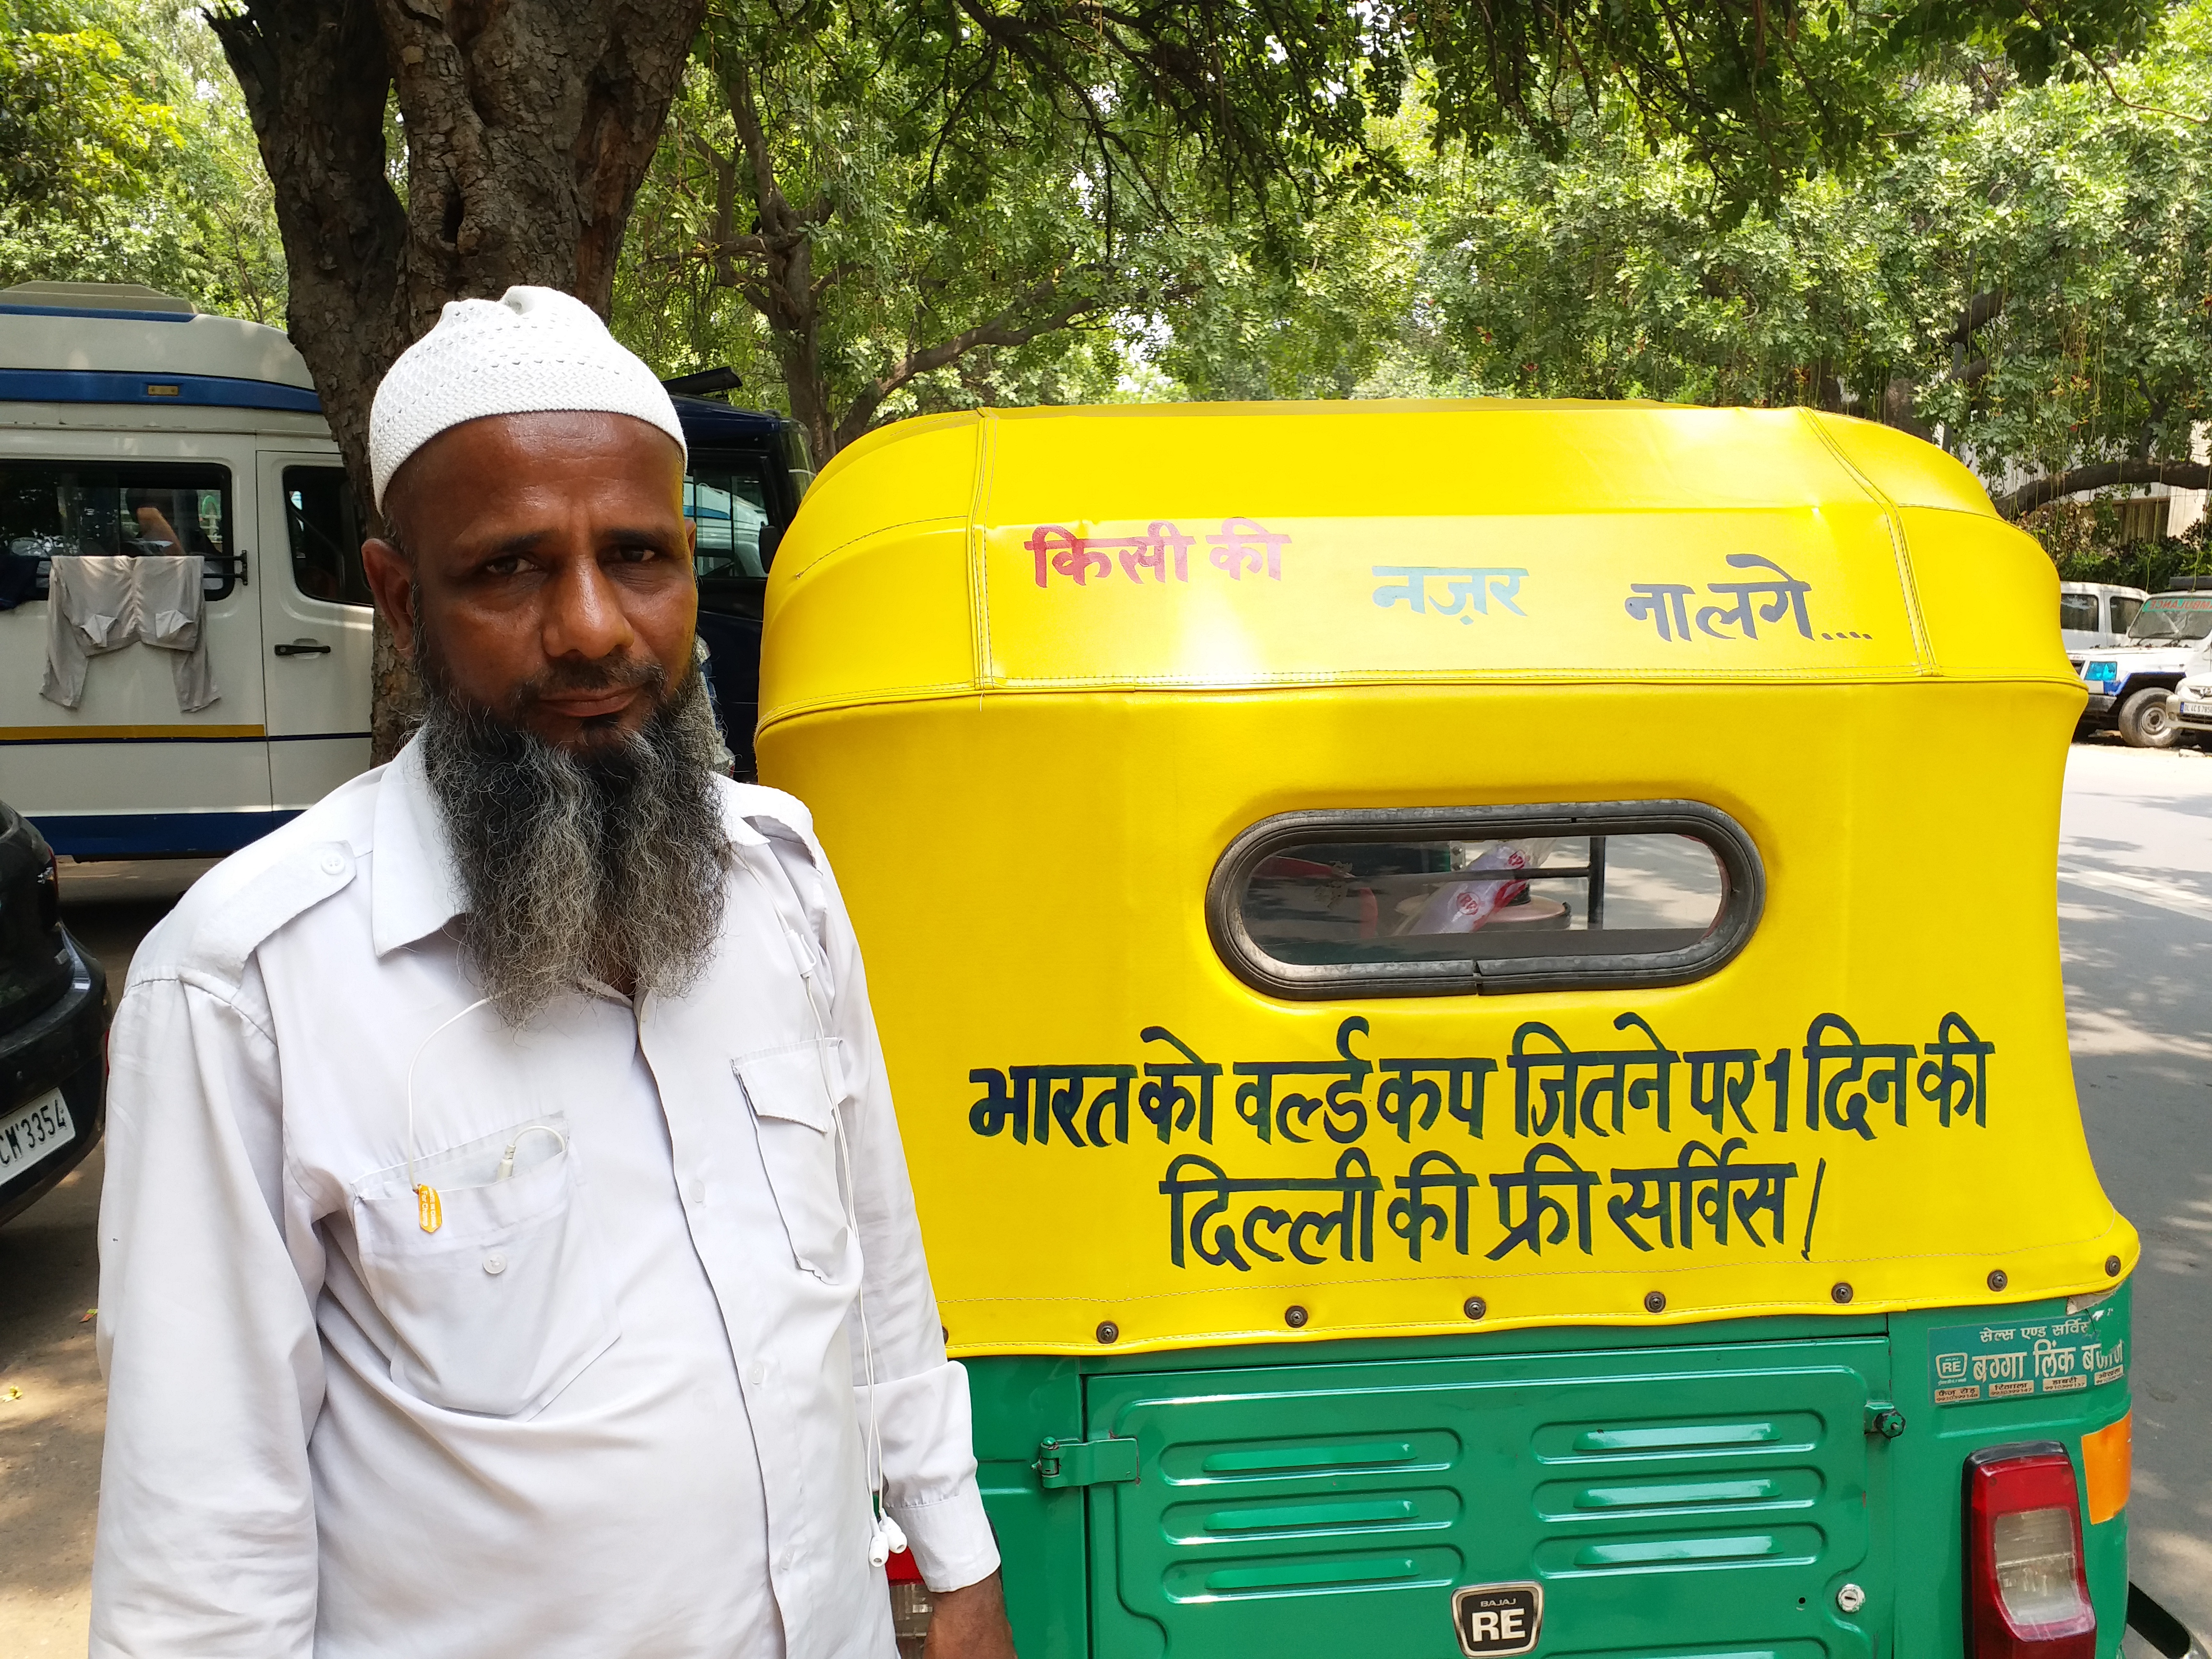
2027, 1596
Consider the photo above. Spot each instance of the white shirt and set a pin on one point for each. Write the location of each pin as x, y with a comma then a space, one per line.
614, 1405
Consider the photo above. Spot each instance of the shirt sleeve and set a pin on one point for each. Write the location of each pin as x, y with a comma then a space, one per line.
206, 1537
918, 1403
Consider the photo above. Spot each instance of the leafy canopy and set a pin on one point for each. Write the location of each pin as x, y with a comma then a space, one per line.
125, 156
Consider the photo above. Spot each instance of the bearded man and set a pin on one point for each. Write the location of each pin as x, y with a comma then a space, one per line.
507, 1249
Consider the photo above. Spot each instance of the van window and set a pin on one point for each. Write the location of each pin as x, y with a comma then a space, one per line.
2124, 606
1489, 899
50, 509
2078, 610
324, 528
727, 500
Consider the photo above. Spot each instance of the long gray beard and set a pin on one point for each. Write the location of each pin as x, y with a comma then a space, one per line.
607, 865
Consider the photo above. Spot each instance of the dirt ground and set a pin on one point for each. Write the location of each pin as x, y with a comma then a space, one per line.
52, 1407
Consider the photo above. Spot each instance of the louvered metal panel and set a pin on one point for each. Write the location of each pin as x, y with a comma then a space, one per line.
1717, 1493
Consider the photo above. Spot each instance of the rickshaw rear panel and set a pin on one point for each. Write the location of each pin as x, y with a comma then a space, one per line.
1480, 1044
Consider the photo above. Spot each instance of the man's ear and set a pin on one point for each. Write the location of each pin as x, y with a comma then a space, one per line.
391, 582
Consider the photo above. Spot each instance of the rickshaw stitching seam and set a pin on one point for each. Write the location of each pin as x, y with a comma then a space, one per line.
1898, 549
979, 582
1522, 1278
806, 569
949, 689
1907, 675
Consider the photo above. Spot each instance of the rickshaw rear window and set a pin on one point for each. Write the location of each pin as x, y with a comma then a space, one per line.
1491, 899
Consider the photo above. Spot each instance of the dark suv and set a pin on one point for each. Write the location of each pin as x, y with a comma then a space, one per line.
747, 473
53, 1020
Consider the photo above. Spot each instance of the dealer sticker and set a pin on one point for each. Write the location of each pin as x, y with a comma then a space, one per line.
1495, 1621
2016, 1360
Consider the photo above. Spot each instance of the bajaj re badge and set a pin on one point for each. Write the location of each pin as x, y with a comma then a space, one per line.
1495, 1621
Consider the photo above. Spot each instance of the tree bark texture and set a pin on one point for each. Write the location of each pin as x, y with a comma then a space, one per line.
529, 125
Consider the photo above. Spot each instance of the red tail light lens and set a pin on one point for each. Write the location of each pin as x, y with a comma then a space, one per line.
2027, 1596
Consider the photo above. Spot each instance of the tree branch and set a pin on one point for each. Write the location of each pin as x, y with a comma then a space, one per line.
2102, 475
1002, 329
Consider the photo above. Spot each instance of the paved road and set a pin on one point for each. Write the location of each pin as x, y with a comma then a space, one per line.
2136, 918
2135, 914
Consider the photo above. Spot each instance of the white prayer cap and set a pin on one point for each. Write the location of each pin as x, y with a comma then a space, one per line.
533, 349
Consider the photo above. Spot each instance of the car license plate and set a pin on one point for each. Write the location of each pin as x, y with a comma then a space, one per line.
29, 1134
2197, 711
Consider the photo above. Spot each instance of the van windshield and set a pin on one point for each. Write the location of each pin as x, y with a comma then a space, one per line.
2164, 620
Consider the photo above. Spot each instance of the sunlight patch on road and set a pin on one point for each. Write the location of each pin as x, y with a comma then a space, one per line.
2182, 901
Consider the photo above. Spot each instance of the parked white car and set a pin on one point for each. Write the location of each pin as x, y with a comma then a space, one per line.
2096, 616
2190, 708
2131, 686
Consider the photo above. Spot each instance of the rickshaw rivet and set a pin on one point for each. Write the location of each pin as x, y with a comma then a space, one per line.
1850, 1598
1997, 1278
1474, 1307
1655, 1302
1840, 1292
2111, 1267
1295, 1317
1109, 1331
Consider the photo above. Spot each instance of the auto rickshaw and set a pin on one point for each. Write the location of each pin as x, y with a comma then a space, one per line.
1473, 990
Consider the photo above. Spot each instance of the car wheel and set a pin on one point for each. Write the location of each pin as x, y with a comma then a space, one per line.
2144, 722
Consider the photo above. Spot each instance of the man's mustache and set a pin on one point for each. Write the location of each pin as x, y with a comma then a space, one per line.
623, 673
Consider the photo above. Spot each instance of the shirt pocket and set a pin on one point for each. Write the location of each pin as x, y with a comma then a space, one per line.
794, 1092
500, 1308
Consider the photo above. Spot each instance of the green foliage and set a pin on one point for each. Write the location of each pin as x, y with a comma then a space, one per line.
128, 156
1238, 199
897, 243
2026, 272
2083, 540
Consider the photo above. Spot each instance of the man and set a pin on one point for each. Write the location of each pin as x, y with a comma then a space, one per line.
506, 1244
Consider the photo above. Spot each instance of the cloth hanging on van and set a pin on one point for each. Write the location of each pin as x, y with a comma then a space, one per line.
99, 604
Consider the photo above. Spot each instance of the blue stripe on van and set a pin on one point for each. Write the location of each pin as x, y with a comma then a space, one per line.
104, 313
144, 834
101, 386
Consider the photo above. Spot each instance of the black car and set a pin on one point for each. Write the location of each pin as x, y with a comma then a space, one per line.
53, 1025
747, 473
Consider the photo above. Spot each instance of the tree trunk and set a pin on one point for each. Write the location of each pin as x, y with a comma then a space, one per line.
2182, 475
529, 125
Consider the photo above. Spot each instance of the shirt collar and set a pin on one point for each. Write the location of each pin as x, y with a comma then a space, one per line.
415, 888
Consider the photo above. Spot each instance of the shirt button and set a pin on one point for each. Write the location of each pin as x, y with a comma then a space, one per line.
695, 1190
494, 1264
757, 1374
334, 863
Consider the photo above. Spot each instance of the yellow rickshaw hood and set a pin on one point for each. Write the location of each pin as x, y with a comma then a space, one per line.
1036, 672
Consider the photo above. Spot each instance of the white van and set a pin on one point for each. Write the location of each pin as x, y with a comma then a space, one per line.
135, 433
2096, 616
137, 436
